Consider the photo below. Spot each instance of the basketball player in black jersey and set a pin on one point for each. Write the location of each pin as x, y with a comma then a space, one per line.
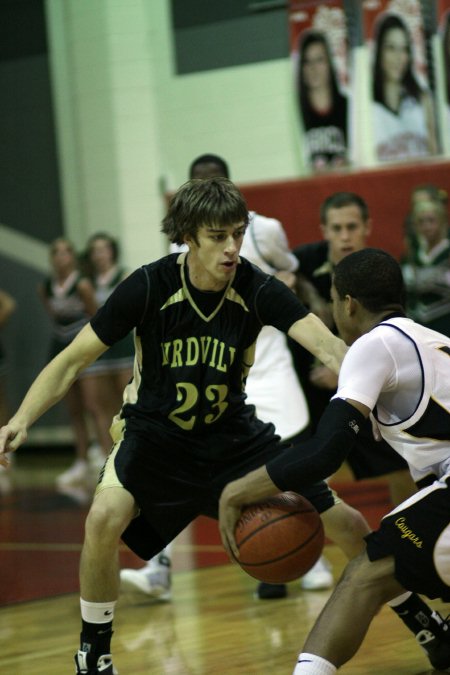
185, 429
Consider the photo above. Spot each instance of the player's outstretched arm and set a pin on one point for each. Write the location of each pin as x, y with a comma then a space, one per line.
314, 336
50, 386
249, 489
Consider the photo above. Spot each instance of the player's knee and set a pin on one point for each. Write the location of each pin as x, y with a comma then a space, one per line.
358, 569
371, 578
346, 527
357, 524
357, 576
105, 523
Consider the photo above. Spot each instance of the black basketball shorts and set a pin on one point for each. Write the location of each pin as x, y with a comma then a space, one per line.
417, 535
173, 482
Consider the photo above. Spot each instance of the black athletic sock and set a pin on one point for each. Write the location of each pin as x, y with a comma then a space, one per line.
417, 616
431, 631
95, 638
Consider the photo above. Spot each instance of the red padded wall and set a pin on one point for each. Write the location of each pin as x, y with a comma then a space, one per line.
387, 192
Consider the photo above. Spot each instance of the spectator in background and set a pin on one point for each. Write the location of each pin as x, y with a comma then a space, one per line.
403, 113
426, 269
105, 380
323, 107
70, 301
421, 193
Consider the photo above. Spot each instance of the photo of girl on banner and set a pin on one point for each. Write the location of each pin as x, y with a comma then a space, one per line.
403, 115
318, 36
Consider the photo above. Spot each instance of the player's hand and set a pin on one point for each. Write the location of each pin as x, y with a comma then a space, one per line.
12, 435
250, 489
229, 514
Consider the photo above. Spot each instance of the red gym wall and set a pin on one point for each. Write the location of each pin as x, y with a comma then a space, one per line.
387, 192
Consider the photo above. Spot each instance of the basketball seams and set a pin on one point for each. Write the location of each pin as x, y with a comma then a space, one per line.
269, 523
285, 555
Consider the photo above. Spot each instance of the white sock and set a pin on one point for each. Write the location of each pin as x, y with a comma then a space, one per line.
97, 612
313, 665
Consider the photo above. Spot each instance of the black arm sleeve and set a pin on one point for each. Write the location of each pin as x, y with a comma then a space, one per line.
316, 459
278, 306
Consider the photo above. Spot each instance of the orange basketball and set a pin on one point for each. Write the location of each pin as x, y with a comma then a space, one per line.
280, 539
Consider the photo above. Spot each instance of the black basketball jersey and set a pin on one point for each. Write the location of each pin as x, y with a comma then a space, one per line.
191, 363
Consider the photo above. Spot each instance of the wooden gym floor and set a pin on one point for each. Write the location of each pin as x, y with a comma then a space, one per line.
213, 625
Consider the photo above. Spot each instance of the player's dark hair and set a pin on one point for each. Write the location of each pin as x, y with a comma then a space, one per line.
340, 199
409, 83
213, 202
373, 277
221, 164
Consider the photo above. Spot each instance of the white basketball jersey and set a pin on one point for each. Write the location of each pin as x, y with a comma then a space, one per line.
423, 438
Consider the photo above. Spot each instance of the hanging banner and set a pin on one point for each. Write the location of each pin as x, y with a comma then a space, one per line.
402, 106
318, 35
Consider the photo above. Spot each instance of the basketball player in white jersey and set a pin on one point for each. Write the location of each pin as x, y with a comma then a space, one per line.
399, 371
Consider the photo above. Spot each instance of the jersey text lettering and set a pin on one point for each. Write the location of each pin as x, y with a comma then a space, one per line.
192, 351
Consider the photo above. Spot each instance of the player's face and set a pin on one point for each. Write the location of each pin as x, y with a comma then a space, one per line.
346, 231
394, 55
213, 259
316, 70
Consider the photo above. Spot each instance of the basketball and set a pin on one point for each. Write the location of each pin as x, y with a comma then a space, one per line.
280, 539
